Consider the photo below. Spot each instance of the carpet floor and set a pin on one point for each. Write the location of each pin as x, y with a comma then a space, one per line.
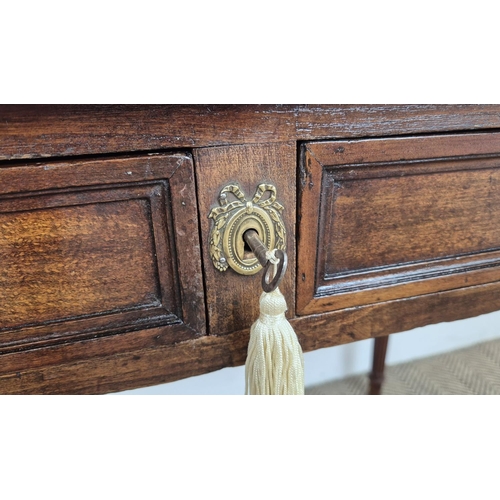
474, 370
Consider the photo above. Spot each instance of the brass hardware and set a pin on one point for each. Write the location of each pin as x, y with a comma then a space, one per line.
233, 219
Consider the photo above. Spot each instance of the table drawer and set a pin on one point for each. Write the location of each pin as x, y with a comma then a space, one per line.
384, 219
90, 248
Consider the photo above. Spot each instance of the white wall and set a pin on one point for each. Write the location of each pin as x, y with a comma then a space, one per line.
351, 359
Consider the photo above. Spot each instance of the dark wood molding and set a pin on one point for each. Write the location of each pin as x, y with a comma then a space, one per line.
97, 248
397, 217
106, 282
93, 366
43, 131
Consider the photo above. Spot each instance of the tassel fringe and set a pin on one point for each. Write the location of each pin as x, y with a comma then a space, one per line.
275, 363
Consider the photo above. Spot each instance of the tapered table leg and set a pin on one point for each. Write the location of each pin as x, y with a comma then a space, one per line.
377, 374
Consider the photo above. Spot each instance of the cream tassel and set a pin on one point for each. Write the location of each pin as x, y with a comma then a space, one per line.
275, 363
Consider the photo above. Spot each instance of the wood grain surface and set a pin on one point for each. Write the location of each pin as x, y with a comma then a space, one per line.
74, 261
103, 232
94, 366
410, 218
83, 259
397, 217
38, 131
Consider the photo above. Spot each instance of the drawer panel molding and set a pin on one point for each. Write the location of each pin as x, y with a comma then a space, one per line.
392, 218
90, 255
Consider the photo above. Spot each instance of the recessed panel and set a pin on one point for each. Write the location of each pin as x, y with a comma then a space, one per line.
75, 261
391, 221
395, 218
98, 247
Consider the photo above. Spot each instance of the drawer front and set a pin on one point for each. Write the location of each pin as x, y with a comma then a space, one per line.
391, 218
98, 247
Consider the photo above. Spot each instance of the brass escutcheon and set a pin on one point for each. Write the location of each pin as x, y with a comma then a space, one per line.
232, 218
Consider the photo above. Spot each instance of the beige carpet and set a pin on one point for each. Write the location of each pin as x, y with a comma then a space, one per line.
474, 370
